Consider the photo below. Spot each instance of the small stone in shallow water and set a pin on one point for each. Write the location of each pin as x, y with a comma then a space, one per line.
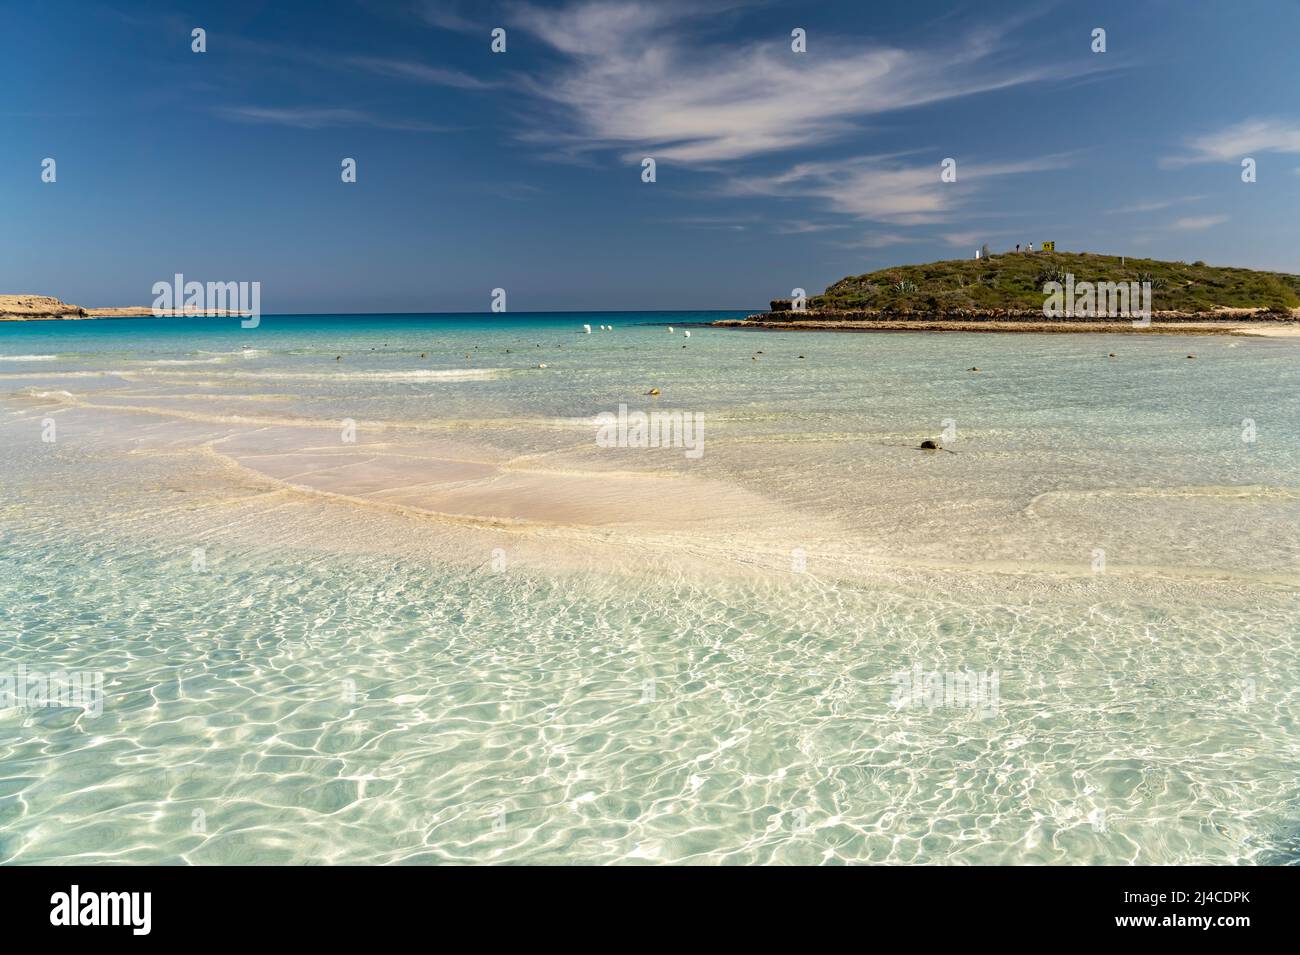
974, 369
1191, 356
1111, 355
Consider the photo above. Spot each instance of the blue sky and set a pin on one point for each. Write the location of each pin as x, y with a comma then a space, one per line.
522, 170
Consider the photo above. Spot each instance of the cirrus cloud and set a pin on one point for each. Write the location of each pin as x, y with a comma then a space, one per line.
630, 77
1234, 142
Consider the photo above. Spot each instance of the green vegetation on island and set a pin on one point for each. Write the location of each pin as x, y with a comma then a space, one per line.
1014, 282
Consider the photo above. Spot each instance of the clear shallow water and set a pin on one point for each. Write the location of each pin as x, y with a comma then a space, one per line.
472, 635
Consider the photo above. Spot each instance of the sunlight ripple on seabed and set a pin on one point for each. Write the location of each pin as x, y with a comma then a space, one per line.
470, 634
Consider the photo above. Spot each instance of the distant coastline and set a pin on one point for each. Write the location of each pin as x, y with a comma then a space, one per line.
47, 308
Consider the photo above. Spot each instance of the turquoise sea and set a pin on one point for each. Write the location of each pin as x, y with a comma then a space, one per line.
365, 589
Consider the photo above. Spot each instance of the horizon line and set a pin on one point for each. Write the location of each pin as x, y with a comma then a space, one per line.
557, 311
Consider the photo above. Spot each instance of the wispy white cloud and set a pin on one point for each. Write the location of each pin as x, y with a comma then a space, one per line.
1154, 205
1233, 143
880, 240
514, 189
390, 67
879, 189
803, 227
448, 15
1196, 223
319, 118
632, 77
1186, 224
734, 223
974, 237
418, 72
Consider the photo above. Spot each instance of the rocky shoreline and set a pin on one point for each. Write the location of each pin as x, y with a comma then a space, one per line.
1222, 321
28, 308
47, 308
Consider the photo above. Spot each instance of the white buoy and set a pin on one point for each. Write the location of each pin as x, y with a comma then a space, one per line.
687, 332
586, 329
670, 329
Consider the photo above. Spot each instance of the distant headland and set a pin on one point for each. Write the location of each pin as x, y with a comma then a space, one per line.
1048, 292
45, 308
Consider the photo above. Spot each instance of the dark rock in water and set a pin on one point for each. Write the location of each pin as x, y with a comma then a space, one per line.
974, 369
930, 444
1191, 356
1111, 355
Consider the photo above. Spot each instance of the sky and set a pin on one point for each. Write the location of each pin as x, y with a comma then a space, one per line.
523, 169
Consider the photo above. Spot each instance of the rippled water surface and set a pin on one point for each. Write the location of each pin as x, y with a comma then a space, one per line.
365, 589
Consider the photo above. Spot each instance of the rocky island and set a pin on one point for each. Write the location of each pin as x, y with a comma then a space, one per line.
1048, 292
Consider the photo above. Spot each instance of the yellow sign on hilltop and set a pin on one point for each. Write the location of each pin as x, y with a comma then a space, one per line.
1049, 246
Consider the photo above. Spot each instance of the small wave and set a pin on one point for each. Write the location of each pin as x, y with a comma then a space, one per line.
447, 374
28, 357
183, 361
214, 357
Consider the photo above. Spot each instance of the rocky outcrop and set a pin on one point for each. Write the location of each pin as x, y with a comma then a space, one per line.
44, 308
23, 308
